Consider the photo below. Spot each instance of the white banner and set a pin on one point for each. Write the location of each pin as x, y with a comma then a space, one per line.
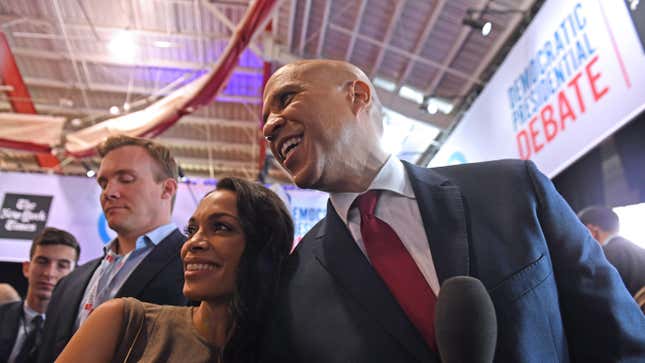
31, 201
575, 76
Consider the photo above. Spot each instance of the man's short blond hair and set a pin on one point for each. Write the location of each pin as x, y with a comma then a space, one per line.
167, 166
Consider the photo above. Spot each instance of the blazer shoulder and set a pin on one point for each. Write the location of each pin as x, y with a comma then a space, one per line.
304, 253
487, 168
159, 277
9, 317
307, 242
620, 247
79, 273
10, 314
168, 249
498, 178
8, 309
620, 242
89, 264
175, 239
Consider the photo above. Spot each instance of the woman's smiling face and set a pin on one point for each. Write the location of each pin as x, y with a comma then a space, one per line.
215, 244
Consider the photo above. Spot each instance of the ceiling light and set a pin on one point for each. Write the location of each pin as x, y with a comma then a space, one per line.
488, 26
76, 122
435, 104
443, 104
126, 107
65, 102
163, 44
484, 26
385, 84
88, 169
114, 110
411, 94
122, 46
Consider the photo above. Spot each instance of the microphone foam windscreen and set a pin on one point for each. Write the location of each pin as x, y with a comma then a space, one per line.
465, 321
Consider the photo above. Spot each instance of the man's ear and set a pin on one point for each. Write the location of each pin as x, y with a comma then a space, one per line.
594, 230
25, 269
360, 95
169, 188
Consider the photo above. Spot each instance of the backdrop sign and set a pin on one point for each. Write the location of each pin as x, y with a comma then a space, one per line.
573, 78
307, 208
72, 204
23, 216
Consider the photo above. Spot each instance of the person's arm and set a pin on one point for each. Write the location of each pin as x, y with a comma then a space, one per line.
602, 321
98, 337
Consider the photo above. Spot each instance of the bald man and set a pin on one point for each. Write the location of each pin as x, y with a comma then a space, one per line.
362, 284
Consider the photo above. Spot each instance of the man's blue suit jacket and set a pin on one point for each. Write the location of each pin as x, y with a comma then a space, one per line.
158, 279
556, 297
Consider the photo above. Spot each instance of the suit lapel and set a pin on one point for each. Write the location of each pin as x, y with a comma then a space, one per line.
442, 210
83, 279
338, 253
75, 295
165, 251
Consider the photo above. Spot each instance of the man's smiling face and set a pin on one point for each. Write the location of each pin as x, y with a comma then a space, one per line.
308, 121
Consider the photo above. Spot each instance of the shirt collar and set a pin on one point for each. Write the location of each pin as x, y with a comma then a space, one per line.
154, 237
30, 313
391, 177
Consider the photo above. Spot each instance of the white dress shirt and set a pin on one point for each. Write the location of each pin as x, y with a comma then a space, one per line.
397, 206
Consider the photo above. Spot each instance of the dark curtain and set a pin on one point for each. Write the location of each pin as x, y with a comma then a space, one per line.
630, 146
11, 273
581, 184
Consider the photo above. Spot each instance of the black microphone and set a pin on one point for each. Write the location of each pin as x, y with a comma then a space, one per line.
465, 322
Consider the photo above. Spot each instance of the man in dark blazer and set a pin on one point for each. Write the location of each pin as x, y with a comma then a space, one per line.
556, 297
627, 257
53, 254
138, 179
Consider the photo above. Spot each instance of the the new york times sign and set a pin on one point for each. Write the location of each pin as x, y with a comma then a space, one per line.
23, 216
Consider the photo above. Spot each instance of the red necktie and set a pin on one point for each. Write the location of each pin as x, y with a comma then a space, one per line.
397, 268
